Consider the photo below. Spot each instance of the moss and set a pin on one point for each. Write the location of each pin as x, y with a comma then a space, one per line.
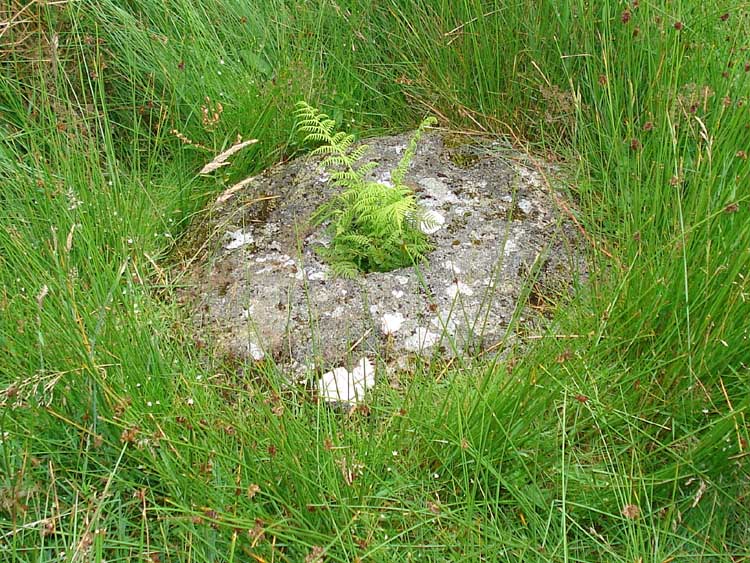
460, 149
452, 140
463, 158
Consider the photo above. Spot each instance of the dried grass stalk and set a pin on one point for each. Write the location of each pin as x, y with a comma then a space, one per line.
220, 159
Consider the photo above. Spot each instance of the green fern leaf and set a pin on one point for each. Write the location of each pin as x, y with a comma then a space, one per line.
374, 227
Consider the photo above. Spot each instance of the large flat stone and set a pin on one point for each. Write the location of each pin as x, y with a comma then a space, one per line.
259, 289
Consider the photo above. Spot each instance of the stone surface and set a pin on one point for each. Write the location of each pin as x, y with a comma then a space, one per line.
257, 289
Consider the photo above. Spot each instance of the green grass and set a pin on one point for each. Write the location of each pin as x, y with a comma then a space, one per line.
122, 440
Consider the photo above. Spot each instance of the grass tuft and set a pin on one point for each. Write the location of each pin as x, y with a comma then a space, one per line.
619, 435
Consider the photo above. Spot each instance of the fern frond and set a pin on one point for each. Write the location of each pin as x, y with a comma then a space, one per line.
342, 160
314, 122
342, 141
357, 240
346, 177
322, 149
324, 126
399, 173
366, 168
374, 227
395, 213
359, 152
345, 269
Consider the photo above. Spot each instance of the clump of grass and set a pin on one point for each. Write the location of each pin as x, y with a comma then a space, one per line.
622, 435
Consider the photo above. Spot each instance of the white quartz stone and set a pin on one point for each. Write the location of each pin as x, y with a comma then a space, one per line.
342, 386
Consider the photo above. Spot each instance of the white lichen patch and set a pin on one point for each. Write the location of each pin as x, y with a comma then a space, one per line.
451, 266
510, 247
438, 192
276, 258
342, 386
526, 206
336, 313
238, 239
255, 351
317, 276
446, 324
321, 238
421, 340
310, 274
531, 177
384, 177
390, 323
459, 288
270, 229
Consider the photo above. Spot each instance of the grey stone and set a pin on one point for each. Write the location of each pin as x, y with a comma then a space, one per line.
256, 288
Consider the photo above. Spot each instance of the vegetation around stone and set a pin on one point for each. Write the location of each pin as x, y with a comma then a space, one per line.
620, 434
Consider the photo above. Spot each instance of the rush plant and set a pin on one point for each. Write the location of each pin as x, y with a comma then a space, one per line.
374, 227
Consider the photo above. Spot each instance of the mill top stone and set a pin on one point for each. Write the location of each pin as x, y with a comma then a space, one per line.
257, 289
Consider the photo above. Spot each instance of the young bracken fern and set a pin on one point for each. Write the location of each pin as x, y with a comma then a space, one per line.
374, 227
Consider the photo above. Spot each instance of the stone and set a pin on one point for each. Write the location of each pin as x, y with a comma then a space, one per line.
343, 387
256, 289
